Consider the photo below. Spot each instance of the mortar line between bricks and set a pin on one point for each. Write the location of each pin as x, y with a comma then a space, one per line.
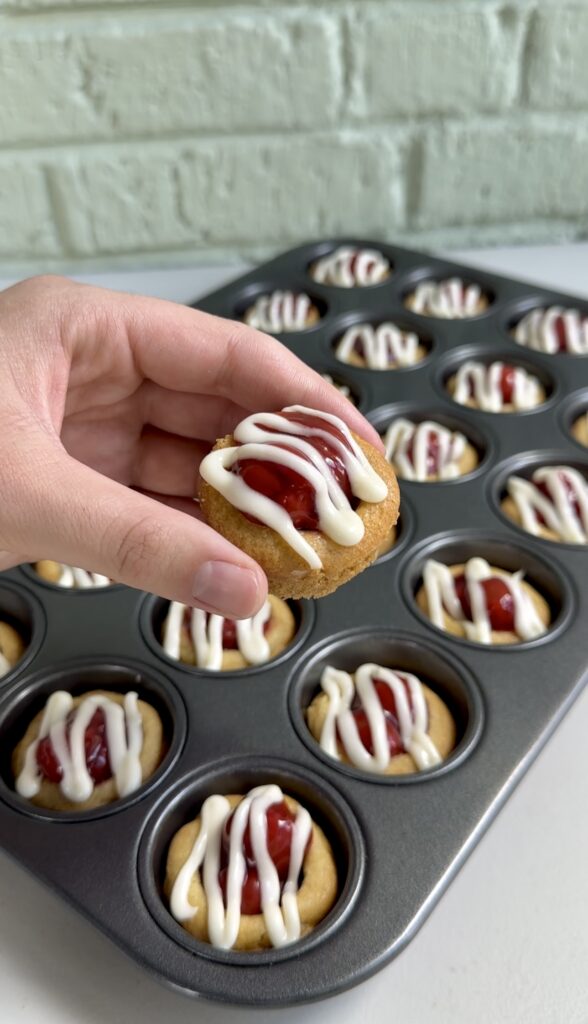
546, 119
235, 252
127, 10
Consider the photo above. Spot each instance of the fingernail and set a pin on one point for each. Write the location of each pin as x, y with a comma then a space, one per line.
227, 589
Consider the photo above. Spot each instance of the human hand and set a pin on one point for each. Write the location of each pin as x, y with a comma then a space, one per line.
110, 401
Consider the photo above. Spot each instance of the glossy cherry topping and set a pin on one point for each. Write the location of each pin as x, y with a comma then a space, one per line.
499, 602
286, 487
386, 698
507, 379
433, 453
280, 823
96, 750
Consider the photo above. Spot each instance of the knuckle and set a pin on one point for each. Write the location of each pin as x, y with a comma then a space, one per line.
141, 545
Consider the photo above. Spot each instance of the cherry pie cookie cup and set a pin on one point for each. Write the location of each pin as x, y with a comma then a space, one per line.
450, 299
300, 562
195, 903
194, 637
12, 647
383, 721
495, 387
428, 452
552, 504
69, 576
351, 266
554, 330
282, 312
508, 610
579, 429
134, 740
381, 347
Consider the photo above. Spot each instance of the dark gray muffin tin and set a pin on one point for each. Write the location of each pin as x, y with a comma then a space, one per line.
397, 841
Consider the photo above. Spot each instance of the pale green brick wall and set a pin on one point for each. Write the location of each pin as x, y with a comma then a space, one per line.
134, 132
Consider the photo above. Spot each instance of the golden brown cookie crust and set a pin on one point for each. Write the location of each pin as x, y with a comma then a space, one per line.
580, 429
510, 509
48, 570
456, 628
50, 795
312, 317
441, 730
315, 896
506, 408
468, 462
12, 645
281, 631
289, 576
354, 359
481, 305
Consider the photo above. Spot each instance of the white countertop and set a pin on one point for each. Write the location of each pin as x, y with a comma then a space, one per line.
508, 943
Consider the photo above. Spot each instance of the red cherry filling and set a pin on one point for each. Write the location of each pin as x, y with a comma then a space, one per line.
386, 698
433, 453
570, 494
507, 379
280, 823
499, 602
229, 635
286, 487
95, 746
506, 383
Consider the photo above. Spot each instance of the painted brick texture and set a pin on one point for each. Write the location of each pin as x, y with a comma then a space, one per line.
133, 131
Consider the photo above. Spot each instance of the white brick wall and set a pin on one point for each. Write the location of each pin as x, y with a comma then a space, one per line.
133, 131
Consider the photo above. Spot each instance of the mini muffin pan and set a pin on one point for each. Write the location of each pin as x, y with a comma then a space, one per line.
397, 841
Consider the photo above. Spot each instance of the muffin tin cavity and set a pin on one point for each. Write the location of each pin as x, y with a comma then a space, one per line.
443, 674
552, 327
456, 548
79, 585
278, 309
153, 614
524, 465
183, 804
20, 610
383, 417
388, 344
25, 700
487, 354
349, 389
574, 418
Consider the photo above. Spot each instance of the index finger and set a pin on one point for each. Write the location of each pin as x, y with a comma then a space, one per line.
183, 349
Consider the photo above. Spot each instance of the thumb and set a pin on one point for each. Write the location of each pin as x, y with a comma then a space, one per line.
86, 519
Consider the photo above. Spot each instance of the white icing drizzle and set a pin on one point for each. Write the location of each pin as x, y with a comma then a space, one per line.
342, 388
71, 576
280, 311
124, 738
484, 384
557, 510
279, 905
452, 299
381, 347
336, 517
206, 632
441, 594
538, 330
401, 433
5, 665
350, 267
339, 720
